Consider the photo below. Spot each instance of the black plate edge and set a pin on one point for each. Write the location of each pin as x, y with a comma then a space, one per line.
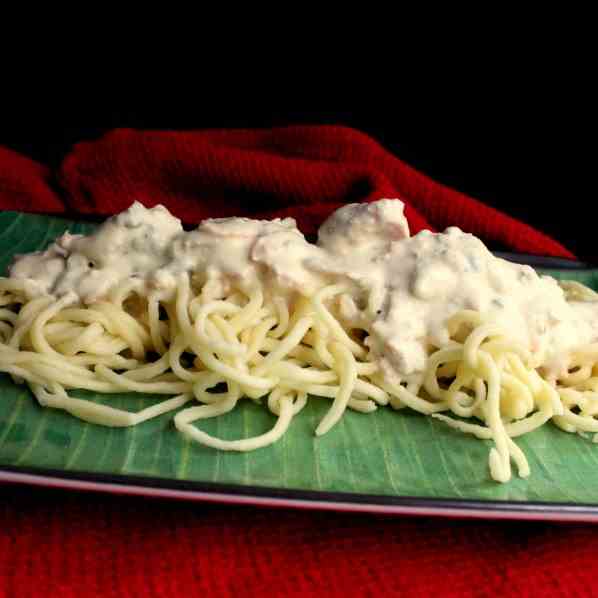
429, 506
544, 261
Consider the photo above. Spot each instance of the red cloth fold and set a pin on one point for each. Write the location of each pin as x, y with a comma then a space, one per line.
25, 185
56, 544
305, 172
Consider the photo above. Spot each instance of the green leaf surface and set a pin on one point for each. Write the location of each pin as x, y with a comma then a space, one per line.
384, 453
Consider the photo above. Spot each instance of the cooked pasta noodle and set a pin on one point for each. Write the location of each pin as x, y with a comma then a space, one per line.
204, 346
60, 345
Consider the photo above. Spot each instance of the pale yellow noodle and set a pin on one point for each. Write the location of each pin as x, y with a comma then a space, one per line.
286, 349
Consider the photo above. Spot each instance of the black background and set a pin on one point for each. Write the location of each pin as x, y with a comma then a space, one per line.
521, 146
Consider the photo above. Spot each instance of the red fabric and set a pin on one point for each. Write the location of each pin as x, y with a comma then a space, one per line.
71, 545
305, 172
25, 185
79, 545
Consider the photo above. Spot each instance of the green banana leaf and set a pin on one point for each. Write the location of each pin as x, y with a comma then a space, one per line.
384, 454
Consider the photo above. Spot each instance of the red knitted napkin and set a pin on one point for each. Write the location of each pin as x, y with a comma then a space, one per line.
305, 172
58, 544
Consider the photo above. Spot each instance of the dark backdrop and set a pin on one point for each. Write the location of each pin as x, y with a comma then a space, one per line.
522, 150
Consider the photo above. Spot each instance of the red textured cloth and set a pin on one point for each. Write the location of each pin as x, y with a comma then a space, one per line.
305, 172
71, 545
54, 544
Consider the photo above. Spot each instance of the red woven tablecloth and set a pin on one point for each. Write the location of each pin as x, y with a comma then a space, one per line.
58, 544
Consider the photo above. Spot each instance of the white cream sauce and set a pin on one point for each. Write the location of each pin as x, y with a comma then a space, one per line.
403, 289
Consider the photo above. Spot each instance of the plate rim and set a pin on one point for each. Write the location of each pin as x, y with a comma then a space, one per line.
269, 496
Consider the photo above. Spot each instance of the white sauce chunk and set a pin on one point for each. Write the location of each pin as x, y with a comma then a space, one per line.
403, 289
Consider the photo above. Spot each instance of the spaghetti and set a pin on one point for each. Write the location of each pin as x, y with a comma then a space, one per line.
207, 346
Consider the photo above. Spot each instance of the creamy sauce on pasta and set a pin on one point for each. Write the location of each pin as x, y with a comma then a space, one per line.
401, 290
